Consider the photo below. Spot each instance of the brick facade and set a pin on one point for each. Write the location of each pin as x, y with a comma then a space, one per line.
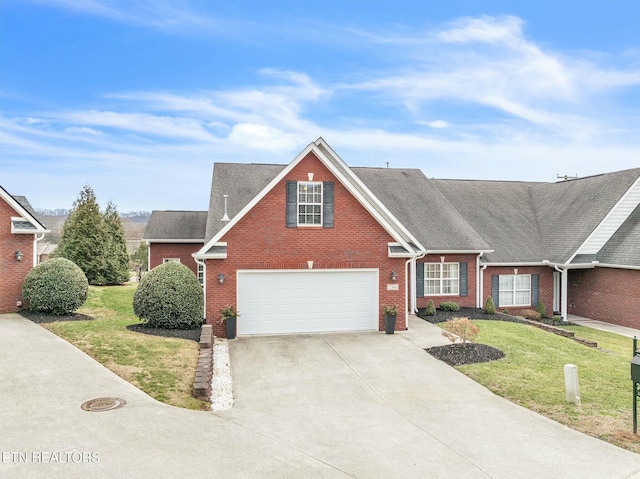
545, 288
605, 294
261, 240
465, 301
12, 271
183, 251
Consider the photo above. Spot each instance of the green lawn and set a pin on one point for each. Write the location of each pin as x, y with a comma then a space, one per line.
164, 368
532, 375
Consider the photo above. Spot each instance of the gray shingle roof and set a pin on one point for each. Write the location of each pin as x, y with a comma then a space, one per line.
422, 209
624, 246
176, 225
569, 211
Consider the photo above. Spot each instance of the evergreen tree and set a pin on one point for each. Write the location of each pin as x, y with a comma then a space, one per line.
117, 259
95, 241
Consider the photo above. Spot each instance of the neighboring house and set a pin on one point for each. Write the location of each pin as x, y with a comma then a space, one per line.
318, 246
45, 250
175, 236
20, 232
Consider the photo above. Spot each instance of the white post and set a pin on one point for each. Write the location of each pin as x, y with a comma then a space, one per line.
571, 383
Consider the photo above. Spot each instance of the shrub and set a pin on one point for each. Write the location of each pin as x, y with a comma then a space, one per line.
56, 286
449, 306
461, 328
541, 310
489, 306
530, 314
431, 308
170, 297
505, 311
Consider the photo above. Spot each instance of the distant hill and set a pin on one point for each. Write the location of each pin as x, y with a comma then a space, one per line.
133, 222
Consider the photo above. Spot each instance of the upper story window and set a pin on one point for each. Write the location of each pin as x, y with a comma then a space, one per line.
309, 203
515, 290
441, 279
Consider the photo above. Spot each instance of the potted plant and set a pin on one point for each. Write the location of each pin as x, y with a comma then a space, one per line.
390, 314
229, 317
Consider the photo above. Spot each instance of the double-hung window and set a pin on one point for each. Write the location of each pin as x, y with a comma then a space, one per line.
515, 290
441, 279
309, 203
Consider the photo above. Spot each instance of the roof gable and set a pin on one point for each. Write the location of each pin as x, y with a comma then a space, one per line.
26, 222
335, 165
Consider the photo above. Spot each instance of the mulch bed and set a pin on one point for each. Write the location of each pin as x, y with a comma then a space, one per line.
470, 353
40, 318
471, 313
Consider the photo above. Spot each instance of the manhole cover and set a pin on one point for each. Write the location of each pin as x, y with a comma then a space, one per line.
103, 404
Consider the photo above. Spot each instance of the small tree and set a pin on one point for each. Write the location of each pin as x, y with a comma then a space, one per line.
541, 310
117, 260
489, 306
170, 297
460, 328
56, 287
431, 308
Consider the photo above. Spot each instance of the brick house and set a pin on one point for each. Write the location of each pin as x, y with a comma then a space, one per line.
20, 232
316, 245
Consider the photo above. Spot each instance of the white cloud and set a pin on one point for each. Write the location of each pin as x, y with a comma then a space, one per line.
83, 130
262, 137
437, 124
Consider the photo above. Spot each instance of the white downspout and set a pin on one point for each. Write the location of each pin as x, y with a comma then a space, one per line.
481, 274
564, 281
478, 281
36, 256
204, 284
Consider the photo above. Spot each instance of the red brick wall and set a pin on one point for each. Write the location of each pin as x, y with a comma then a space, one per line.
546, 285
261, 240
605, 294
12, 272
465, 301
158, 251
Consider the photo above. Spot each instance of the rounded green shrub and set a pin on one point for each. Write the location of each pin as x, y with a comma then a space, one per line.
56, 286
489, 306
449, 306
431, 308
170, 297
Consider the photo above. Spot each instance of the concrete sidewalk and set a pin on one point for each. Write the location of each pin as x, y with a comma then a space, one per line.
337, 405
602, 326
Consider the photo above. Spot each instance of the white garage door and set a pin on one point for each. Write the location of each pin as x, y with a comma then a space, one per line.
301, 301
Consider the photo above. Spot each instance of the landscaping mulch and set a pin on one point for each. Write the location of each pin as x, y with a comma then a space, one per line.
190, 334
471, 313
41, 318
469, 353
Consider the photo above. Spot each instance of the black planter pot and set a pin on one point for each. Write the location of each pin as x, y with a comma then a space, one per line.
389, 323
231, 327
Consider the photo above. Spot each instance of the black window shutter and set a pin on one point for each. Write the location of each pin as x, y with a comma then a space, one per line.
463, 279
495, 289
292, 204
535, 289
327, 205
419, 280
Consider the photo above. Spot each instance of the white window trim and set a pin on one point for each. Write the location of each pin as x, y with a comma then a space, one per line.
298, 203
200, 273
171, 260
514, 291
441, 280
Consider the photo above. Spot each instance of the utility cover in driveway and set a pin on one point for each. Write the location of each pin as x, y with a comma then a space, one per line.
300, 301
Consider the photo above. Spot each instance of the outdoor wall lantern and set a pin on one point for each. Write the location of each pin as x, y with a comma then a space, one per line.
394, 276
221, 278
19, 255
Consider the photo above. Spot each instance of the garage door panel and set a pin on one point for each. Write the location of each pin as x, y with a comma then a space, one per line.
307, 301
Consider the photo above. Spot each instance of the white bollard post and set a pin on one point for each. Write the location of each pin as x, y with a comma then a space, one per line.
571, 383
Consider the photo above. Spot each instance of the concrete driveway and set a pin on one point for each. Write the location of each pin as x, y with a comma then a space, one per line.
332, 405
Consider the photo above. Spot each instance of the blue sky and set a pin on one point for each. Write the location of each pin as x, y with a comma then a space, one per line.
139, 99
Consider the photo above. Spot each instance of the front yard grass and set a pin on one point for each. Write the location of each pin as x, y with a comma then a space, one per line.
162, 367
532, 375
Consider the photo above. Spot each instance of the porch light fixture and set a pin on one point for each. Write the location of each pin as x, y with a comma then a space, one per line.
394, 276
221, 278
19, 255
